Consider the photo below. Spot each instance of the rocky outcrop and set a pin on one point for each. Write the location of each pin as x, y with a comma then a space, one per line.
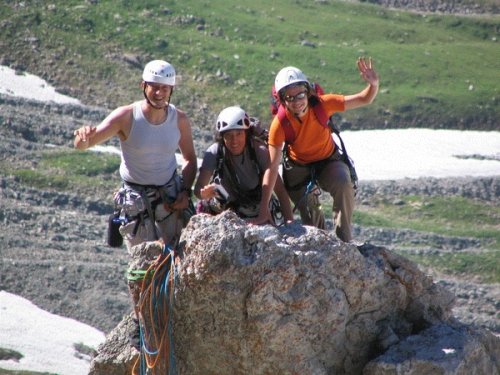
441, 349
265, 300
116, 356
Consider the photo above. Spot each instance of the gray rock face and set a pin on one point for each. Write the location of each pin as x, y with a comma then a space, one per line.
116, 356
441, 349
290, 300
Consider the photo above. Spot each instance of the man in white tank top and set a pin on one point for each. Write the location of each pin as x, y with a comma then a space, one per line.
153, 199
150, 131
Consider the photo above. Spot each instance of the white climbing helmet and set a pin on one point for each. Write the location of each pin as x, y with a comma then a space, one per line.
159, 71
232, 118
289, 76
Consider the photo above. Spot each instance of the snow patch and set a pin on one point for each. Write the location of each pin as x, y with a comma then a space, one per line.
46, 341
29, 86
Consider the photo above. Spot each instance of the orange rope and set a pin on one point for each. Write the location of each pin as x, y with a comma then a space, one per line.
155, 316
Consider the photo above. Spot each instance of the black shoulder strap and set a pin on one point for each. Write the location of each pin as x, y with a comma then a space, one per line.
218, 172
346, 159
253, 155
336, 131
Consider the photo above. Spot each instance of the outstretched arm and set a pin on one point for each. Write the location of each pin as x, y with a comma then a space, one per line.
117, 122
366, 96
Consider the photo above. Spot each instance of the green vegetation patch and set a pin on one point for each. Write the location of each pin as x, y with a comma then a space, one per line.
230, 53
451, 216
22, 372
448, 216
483, 265
64, 170
9, 354
81, 163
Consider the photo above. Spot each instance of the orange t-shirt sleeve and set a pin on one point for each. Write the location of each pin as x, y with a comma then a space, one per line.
333, 103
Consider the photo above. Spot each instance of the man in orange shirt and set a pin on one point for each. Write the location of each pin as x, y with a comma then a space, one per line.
313, 149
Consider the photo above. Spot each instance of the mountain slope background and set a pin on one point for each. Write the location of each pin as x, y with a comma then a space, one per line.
438, 70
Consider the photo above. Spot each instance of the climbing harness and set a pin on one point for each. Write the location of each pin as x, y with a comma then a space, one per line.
150, 206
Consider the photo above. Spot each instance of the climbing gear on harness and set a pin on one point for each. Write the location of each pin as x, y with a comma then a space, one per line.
311, 188
115, 221
347, 160
155, 317
150, 206
276, 213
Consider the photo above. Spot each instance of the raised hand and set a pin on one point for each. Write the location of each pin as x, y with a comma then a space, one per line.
366, 70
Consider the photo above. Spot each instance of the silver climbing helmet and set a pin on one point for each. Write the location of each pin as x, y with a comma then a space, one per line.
289, 76
232, 118
159, 71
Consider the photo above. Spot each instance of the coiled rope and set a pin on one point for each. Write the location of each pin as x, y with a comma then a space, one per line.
155, 306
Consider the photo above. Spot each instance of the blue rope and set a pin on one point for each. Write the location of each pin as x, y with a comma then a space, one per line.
309, 189
162, 302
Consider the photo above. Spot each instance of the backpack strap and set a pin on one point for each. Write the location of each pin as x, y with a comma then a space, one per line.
346, 159
220, 161
285, 125
319, 112
232, 178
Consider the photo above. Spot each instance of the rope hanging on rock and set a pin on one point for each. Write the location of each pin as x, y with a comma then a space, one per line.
155, 317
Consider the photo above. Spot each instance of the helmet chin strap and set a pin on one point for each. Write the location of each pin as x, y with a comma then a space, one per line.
298, 114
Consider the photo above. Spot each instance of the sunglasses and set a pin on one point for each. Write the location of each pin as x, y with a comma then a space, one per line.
292, 98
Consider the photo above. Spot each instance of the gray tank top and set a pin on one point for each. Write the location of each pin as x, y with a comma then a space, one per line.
148, 154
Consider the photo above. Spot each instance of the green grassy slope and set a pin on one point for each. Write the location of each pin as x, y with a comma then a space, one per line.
436, 71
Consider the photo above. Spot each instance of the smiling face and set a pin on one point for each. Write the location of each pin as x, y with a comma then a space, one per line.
235, 141
295, 98
157, 93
